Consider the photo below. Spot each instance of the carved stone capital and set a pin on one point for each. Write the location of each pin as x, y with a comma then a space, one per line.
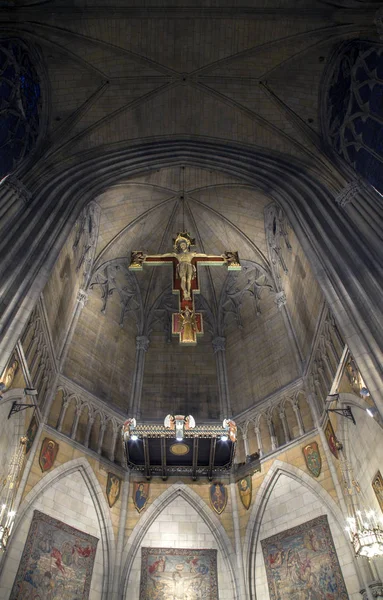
142, 343
219, 344
280, 299
348, 193
376, 589
18, 188
82, 297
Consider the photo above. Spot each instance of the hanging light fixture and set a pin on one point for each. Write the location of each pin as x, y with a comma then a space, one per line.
366, 534
363, 526
8, 494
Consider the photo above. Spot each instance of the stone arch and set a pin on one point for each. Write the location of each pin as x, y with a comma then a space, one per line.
178, 489
255, 521
306, 195
83, 467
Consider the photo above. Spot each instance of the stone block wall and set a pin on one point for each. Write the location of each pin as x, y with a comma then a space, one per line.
179, 525
291, 503
67, 500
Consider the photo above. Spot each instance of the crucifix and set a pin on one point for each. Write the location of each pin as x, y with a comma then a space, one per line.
187, 324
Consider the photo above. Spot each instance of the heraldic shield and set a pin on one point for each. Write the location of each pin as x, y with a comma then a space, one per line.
140, 495
48, 453
245, 490
313, 458
218, 497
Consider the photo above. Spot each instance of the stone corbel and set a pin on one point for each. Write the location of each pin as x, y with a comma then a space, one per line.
280, 299
219, 344
82, 297
142, 343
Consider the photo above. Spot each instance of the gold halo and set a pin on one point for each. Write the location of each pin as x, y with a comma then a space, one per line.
179, 449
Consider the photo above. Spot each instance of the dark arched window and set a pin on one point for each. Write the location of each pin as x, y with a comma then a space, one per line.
20, 103
353, 117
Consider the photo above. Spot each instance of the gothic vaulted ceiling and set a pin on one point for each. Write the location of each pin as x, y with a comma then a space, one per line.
248, 73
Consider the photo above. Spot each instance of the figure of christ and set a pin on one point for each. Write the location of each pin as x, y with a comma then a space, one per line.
177, 582
186, 269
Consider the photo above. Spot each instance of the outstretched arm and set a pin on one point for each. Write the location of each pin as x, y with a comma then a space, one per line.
138, 258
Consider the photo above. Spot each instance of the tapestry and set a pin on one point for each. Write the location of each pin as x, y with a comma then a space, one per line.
113, 488
218, 497
178, 574
331, 439
57, 562
245, 490
301, 563
313, 458
140, 495
377, 484
48, 454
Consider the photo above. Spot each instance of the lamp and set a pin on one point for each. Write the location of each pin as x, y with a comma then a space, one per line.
372, 411
8, 494
363, 526
366, 534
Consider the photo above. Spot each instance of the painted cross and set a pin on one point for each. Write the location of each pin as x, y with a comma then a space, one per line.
187, 324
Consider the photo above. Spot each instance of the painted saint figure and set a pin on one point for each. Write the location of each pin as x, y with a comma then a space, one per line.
140, 495
48, 453
218, 497
113, 487
244, 487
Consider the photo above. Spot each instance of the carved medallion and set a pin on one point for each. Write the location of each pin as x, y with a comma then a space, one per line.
245, 491
313, 458
218, 497
113, 489
179, 449
140, 495
377, 484
331, 439
48, 453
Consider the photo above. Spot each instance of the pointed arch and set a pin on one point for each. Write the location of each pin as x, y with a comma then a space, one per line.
209, 518
106, 529
263, 495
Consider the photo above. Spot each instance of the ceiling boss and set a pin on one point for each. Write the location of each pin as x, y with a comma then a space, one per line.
187, 324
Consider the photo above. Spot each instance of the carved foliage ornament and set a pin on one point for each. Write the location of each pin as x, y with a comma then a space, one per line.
114, 278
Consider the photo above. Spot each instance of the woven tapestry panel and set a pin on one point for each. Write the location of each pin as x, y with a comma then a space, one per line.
57, 561
178, 573
302, 563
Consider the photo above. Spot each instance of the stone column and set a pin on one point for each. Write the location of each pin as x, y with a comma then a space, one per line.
273, 437
75, 422
115, 585
81, 301
298, 417
88, 430
112, 451
219, 346
101, 438
142, 346
14, 197
245, 439
61, 418
259, 441
282, 416
362, 209
238, 542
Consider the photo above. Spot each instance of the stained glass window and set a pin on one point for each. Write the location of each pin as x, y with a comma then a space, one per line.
20, 104
354, 108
